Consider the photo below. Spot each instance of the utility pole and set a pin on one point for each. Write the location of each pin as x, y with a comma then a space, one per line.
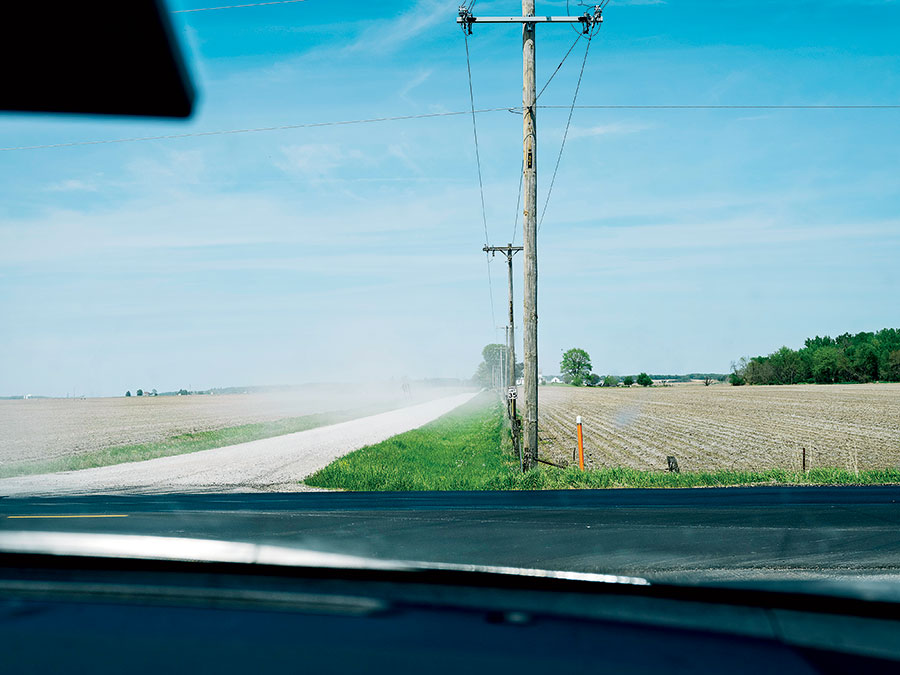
529, 239
529, 180
509, 250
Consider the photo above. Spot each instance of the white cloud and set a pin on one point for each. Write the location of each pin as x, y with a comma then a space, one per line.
74, 185
316, 161
391, 34
182, 166
611, 129
420, 78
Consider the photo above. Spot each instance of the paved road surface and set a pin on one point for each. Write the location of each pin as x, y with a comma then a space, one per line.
712, 534
271, 463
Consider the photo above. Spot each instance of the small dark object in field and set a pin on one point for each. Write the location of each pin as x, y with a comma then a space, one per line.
673, 464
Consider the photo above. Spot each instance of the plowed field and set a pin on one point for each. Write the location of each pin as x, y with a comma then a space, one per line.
44, 429
724, 427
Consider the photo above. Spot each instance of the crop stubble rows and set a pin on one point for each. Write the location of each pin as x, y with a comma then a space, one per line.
724, 427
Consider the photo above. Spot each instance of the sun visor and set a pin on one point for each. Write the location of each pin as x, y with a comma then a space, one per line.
108, 57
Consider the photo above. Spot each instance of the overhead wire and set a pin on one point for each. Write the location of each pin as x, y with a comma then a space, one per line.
224, 132
487, 241
518, 201
456, 113
891, 106
547, 83
536, 98
562, 146
249, 4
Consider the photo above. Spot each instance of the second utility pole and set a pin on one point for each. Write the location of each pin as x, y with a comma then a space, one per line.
510, 251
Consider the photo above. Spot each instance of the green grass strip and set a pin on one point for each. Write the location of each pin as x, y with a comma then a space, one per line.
459, 451
468, 449
189, 442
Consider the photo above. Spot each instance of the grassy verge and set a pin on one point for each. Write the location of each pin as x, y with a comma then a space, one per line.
459, 451
467, 450
189, 442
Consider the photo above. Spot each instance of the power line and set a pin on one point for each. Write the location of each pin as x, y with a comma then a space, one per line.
518, 200
249, 4
512, 109
223, 132
547, 84
566, 133
726, 107
480, 181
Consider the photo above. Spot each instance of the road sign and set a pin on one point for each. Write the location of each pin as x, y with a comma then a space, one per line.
512, 394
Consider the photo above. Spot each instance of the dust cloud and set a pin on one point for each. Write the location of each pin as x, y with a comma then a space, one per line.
40, 429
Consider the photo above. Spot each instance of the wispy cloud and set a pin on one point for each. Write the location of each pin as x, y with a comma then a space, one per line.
611, 129
391, 34
420, 78
74, 185
316, 161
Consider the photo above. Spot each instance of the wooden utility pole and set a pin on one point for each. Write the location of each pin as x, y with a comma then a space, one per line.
509, 251
529, 180
529, 239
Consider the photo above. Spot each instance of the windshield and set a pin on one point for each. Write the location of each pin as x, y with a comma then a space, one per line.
532, 254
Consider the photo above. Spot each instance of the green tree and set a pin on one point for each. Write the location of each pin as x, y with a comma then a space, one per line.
644, 380
128, 393
628, 381
610, 381
865, 362
759, 370
140, 392
892, 372
594, 379
576, 363
829, 365
787, 366
492, 356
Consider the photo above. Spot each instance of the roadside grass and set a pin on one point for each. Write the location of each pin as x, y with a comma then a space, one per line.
468, 449
551, 478
459, 451
189, 442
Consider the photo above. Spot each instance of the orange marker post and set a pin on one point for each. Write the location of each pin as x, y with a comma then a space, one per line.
580, 443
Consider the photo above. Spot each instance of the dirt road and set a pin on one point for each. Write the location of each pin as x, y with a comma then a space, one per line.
269, 464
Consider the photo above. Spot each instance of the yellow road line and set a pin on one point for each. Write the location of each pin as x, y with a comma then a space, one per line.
84, 516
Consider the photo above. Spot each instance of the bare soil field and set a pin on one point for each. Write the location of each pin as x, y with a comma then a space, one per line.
723, 427
40, 429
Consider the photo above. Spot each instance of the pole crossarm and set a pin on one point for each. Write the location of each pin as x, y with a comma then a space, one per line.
587, 20
509, 250
523, 19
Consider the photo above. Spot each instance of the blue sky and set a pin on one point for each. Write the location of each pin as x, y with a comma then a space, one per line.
674, 241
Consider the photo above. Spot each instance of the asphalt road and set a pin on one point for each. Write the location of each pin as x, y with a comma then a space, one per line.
278, 463
710, 534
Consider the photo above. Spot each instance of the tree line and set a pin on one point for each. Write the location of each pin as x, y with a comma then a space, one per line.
864, 357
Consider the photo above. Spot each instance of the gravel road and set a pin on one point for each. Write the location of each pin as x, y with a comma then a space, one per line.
268, 464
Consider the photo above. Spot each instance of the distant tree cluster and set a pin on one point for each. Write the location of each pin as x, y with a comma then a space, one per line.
864, 357
490, 366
